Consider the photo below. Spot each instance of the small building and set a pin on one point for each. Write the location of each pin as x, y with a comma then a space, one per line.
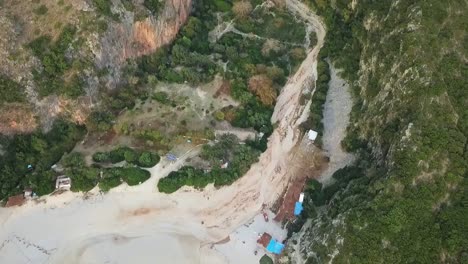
63, 182
271, 245
312, 135
264, 239
28, 193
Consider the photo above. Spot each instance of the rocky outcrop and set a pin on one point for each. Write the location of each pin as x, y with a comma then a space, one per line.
130, 38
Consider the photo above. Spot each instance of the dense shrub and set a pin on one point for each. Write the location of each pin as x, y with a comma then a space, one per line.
227, 149
41, 150
101, 157
100, 121
143, 159
153, 5
148, 159
54, 62
10, 91
103, 7
108, 183
131, 175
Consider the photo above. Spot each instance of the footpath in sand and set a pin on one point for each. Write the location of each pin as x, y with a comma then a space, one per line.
141, 225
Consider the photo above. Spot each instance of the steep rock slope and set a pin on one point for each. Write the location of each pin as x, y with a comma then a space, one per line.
406, 197
63, 54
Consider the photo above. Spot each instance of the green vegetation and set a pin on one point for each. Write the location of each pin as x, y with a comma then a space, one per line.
153, 5
103, 7
54, 62
100, 121
265, 259
132, 176
279, 25
10, 91
404, 199
314, 121
39, 150
85, 178
227, 149
41, 10
194, 59
163, 98
143, 159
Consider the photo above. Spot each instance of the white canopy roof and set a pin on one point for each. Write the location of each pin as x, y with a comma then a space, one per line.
312, 135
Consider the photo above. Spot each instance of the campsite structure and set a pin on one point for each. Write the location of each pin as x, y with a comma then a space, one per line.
298, 206
312, 135
271, 244
63, 182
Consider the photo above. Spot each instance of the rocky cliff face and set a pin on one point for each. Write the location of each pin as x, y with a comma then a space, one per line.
405, 200
106, 45
130, 38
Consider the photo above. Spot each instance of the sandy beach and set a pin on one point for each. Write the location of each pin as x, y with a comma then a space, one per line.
140, 225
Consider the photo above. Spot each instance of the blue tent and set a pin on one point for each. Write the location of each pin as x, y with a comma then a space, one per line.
275, 247
171, 157
298, 208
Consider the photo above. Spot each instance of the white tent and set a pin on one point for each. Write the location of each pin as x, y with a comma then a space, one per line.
312, 135
301, 197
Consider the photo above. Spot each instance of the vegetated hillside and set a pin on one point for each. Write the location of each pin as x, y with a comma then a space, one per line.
105, 58
61, 62
60, 56
406, 199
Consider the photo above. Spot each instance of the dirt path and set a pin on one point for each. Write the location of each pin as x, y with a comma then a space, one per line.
86, 230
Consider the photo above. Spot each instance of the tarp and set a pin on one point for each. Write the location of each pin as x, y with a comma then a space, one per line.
275, 247
298, 208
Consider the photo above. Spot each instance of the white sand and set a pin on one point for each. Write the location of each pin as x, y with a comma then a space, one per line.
243, 242
141, 225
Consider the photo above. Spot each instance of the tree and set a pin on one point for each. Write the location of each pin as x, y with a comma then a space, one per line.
270, 45
148, 159
73, 160
262, 86
242, 8
275, 73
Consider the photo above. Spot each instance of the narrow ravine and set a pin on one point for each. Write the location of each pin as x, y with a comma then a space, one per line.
336, 113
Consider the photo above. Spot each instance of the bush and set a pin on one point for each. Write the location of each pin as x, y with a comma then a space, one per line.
134, 176
130, 156
162, 97
148, 159
108, 183
153, 5
265, 259
101, 157
227, 149
41, 10
10, 91
118, 155
74, 159
103, 7
144, 159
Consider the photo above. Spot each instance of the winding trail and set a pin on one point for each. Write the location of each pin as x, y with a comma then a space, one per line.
150, 226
